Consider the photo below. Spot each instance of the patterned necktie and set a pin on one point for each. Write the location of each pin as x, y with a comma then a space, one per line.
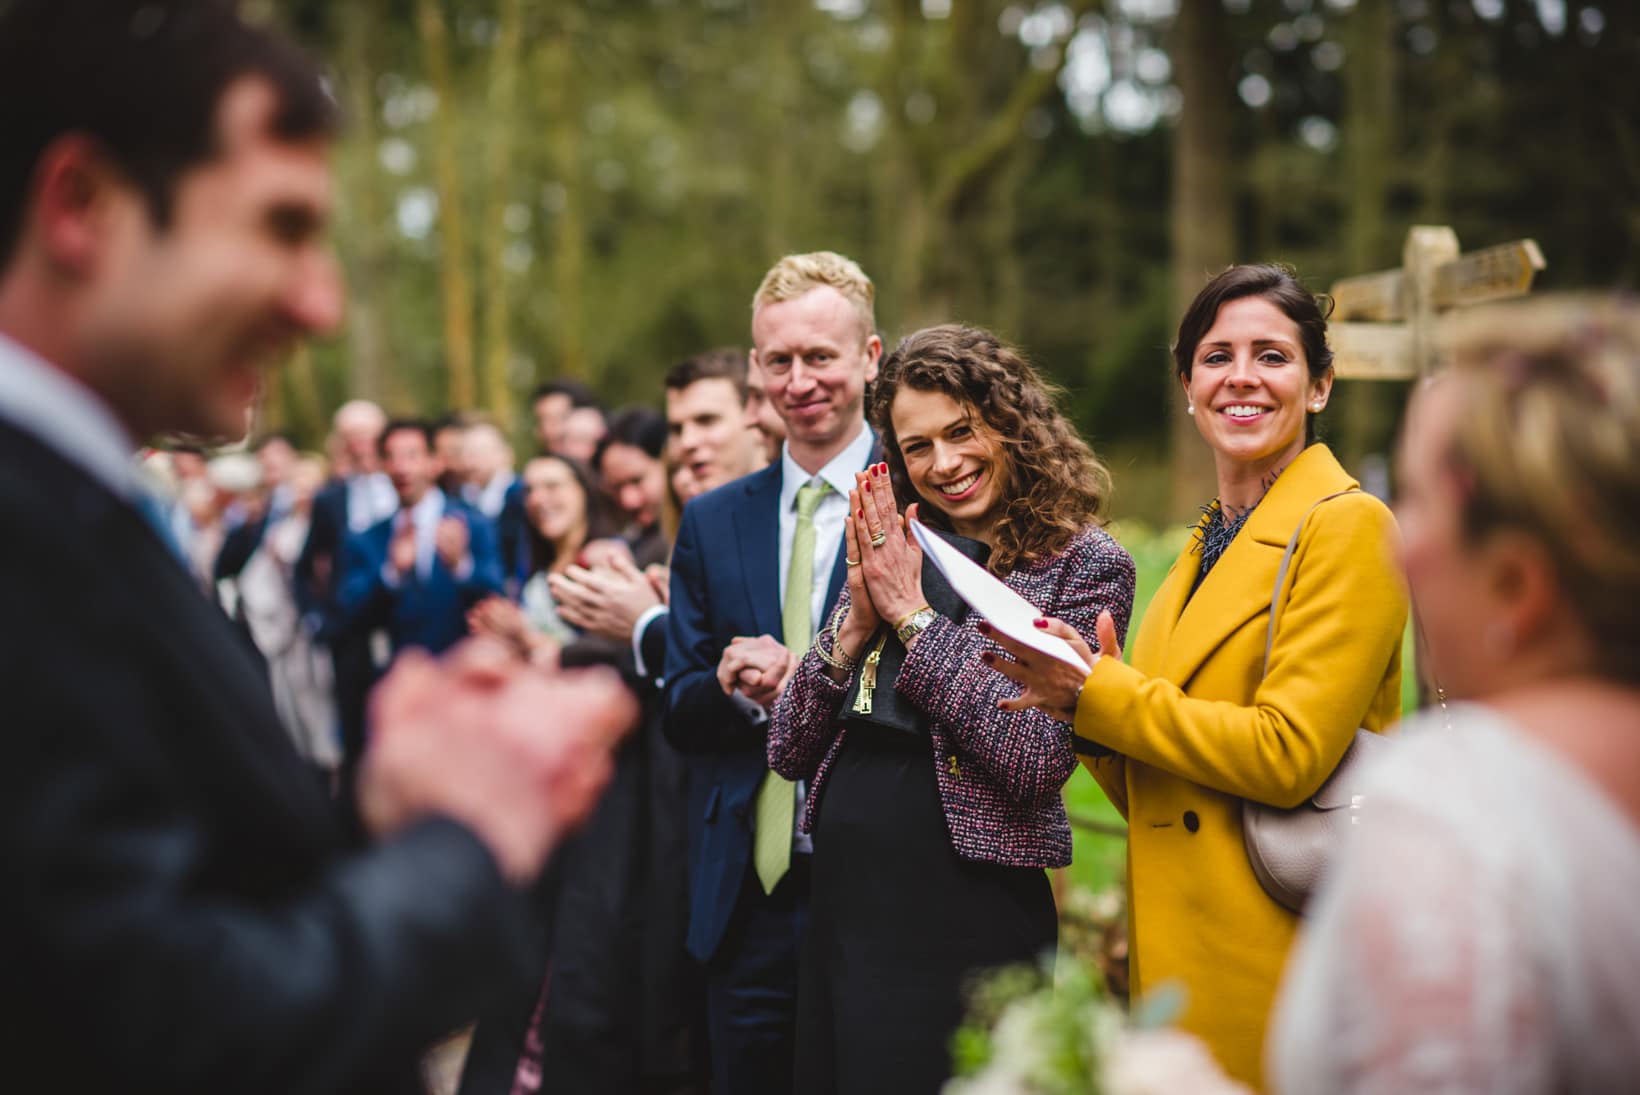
777, 798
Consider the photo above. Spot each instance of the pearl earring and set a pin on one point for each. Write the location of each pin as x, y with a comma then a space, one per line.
1316, 406
1190, 408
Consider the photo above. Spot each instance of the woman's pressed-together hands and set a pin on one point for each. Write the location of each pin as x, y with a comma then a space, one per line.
883, 559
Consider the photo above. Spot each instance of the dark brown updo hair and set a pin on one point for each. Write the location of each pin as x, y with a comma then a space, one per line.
1055, 488
1276, 283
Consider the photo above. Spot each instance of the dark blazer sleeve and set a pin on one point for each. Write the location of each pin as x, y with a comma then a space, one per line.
487, 576
325, 531
238, 547
700, 717
653, 645
173, 922
363, 598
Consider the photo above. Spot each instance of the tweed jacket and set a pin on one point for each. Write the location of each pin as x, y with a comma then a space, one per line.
999, 773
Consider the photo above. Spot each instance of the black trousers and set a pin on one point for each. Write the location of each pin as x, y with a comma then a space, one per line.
751, 986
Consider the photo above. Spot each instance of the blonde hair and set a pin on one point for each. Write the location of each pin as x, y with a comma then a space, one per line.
795, 275
1548, 443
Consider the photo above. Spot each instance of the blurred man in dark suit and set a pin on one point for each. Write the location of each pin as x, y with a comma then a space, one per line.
416, 574
184, 913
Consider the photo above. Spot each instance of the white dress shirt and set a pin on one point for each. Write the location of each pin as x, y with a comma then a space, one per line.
828, 518
492, 496
426, 515
370, 499
60, 412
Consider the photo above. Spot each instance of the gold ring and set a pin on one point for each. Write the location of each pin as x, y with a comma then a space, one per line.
879, 539
851, 562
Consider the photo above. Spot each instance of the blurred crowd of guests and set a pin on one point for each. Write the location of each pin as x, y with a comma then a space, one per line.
409, 533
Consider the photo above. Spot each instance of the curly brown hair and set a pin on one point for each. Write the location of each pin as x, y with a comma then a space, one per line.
1056, 485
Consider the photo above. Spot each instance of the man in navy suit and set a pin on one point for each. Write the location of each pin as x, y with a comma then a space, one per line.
756, 567
358, 497
184, 911
416, 573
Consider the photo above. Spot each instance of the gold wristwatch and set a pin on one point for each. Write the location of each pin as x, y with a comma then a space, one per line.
914, 624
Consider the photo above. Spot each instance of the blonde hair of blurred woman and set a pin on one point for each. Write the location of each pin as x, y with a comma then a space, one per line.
1548, 443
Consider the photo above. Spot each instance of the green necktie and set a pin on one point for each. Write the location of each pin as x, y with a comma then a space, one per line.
776, 798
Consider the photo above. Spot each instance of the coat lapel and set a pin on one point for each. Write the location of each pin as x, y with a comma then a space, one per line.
757, 527
1240, 585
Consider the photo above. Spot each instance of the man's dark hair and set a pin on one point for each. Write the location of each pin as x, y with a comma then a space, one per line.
142, 78
722, 364
452, 420
638, 427
405, 425
269, 438
579, 394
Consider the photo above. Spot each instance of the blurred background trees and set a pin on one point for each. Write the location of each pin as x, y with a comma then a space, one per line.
536, 188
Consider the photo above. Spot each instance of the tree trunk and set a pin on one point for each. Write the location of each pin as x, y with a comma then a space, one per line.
502, 126
453, 274
370, 375
555, 64
1365, 413
1203, 225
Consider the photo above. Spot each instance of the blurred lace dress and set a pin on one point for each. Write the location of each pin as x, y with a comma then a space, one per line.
1480, 934
298, 668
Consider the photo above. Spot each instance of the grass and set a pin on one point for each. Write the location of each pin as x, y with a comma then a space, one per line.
1098, 862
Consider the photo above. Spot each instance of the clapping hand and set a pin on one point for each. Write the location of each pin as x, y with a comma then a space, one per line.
758, 668
1045, 681
606, 601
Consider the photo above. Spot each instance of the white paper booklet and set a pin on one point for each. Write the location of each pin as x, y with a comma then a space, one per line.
1007, 611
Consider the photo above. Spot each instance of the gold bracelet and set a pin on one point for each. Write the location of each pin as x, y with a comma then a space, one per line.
840, 662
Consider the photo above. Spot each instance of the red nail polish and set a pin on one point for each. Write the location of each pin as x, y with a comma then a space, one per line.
1043, 624
868, 484
987, 657
862, 515
984, 628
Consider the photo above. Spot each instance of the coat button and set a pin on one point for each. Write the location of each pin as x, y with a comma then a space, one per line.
1191, 821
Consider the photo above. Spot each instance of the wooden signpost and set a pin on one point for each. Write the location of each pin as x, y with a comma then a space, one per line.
1386, 326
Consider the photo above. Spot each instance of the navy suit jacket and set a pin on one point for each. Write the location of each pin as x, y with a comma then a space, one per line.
430, 612
725, 582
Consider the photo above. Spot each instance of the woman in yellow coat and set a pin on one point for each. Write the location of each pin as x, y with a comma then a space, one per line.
1197, 724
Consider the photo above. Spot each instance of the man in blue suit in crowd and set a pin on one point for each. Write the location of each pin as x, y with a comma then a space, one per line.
417, 573
757, 565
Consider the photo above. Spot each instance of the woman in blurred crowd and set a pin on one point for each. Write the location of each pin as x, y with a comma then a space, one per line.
1199, 722
299, 668
934, 812
1479, 933
564, 513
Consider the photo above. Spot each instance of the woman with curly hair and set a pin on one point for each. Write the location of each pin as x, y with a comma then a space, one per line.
934, 812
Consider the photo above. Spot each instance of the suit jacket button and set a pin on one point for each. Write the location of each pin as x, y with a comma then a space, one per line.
1191, 821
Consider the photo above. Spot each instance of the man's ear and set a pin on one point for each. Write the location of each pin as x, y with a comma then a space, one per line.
874, 354
75, 189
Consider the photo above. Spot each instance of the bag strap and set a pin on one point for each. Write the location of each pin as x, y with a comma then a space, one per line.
1281, 574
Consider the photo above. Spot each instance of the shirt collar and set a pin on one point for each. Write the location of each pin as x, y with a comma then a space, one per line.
42, 400
429, 509
839, 473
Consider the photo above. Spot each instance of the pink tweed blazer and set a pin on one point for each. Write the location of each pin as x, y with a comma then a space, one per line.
1000, 773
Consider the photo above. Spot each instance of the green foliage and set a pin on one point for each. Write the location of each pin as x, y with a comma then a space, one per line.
666, 151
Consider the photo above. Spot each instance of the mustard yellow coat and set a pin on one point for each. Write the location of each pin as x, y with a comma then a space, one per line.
1196, 730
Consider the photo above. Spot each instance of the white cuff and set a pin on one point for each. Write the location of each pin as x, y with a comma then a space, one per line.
638, 629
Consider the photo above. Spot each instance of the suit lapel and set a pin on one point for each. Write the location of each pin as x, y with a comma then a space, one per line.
757, 527
1239, 587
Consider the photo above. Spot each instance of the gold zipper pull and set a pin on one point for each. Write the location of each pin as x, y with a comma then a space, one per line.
955, 769
868, 679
